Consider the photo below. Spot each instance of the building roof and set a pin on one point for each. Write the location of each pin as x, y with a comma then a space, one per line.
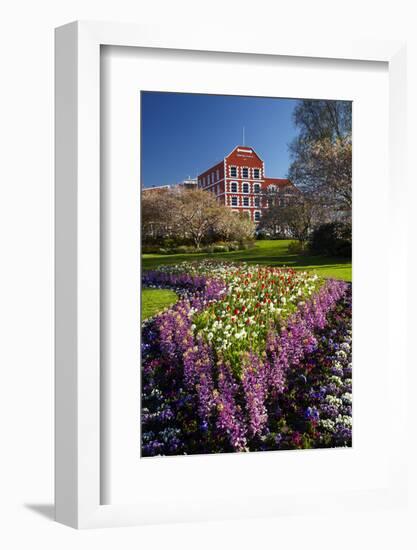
282, 182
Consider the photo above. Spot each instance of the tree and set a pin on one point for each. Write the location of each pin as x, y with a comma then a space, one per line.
295, 219
157, 215
233, 226
322, 154
319, 119
196, 213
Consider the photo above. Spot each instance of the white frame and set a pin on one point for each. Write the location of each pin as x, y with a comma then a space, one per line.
77, 498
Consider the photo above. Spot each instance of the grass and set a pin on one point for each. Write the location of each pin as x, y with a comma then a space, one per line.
155, 300
274, 253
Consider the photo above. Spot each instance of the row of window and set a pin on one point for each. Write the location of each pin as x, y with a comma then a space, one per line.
245, 201
215, 189
209, 178
234, 187
245, 172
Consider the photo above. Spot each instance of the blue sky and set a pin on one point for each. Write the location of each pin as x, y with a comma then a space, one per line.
184, 134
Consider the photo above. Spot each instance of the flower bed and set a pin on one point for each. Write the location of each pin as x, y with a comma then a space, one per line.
236, 364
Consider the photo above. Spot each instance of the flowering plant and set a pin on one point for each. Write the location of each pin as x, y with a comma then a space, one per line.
272, 380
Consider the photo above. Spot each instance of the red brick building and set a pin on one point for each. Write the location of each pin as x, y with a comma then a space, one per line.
239, 182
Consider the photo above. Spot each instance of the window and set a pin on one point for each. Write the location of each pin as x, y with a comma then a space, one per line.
233, 171
245, 201
234, 201
217, 175
245, 172
257, 216
257, 202
233, 187
199, 182
245, 187
256, 188
212, 177
256, 173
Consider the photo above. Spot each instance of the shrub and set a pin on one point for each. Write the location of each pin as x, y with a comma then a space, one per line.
296, 247
332, 239
169, 243
220, 248
150, 249
184, 249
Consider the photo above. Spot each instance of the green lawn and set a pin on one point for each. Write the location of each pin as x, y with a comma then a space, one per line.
265, 253
155, 300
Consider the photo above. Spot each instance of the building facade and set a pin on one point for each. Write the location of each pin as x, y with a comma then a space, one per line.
240, 183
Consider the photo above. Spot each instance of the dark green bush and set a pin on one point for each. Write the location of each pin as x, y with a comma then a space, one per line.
332, 239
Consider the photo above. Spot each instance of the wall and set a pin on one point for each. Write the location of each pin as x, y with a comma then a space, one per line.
26, 402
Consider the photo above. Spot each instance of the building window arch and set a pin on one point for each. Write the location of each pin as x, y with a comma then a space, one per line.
245, 187
234, 187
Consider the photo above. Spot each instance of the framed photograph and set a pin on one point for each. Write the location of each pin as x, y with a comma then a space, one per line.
223, 206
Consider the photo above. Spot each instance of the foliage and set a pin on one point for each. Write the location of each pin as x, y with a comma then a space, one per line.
332, 239
172, 248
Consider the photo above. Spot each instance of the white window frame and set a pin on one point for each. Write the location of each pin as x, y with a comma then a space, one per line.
232, 199
231, 183
243, 187
230, 171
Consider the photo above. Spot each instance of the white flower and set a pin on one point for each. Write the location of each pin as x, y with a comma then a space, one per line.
347, 397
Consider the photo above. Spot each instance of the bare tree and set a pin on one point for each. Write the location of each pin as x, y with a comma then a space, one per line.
197, 213
295, 219
322, 153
